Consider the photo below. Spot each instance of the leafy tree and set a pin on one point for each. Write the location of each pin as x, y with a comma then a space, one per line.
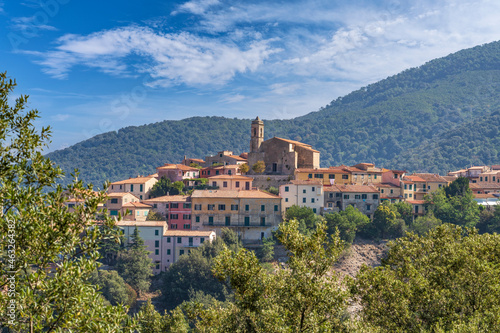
154, 216
135, 265
163, 187
438, 282
109, 247
423, 224
113, 287
230, 239
266, 253
347, 222
179, 186
386, 222
304, 215
273, 190
490, 220
455, 204
301, 297
150, 321
47, 253
405, 211
244, 168
259, 167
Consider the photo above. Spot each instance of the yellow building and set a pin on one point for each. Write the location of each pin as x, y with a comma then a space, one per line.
231, 182
138, 186
328, 176
252, 214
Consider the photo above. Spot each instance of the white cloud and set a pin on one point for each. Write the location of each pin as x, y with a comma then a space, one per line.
60, 117
180, 58
196, 6
30, 25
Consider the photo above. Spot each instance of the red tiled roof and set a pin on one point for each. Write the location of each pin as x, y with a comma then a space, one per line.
188, 233
136, 180
321, 170
142, 224
414, 178
231, 177
176, 167
167, 198
120, 194
489, 186
416, 202
236, 157
135, 205
351, 188
430, 177
306, 182
233, 194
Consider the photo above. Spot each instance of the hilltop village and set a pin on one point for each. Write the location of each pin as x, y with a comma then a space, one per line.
250, 193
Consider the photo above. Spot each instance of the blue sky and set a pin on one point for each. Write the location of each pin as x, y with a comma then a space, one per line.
96, 66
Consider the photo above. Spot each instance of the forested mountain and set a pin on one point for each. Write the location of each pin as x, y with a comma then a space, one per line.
440, 116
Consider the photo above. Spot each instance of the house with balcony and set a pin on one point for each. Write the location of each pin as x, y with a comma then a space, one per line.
252, 214
366, 198
175, 208
303, 193
139, 186
176, 243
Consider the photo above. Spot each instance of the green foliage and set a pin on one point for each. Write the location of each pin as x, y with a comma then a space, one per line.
113, 287
135, 265
347, 223
423, 224
446, 280
48, 251
163, 187
273, 190
150, 321
305, 216
454, 101
301, 297
405, 211
154, 216
109, 247
259, 167
455, 204
490, 220
244, 168
266, 252
387, 222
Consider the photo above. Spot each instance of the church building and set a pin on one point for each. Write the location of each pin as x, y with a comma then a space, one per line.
281, 156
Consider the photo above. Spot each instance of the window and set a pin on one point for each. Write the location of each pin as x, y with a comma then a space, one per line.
410, 187
168, 239
166, 205
304, 191
157, 243
202, 239
318, 175
382, 191
157, 232
286, 199
346, 196
263, 221
179, 240
181, 252
375, 196
173, 226
304, 200
368, 207
406, 195
314, 210
480, 179
210, 220
211, 207
287, 189
186, 216
131, 188
71, 205
157, 265
140, 188
493, 178
440, 185
157, 252
186, 205
174, 216
113, 212
168, 252
145, 213
137, 213
330, 195
345, 176
392, 191
247, 220
214, 184
330, 176
275, 208
247, 208
406, 187
357, 196
197, 207
222, 207
224, 184
364, 196
187, 226
234, 207
262, 208
114, 201
312, 200
313, 189
197, 219
338, 195
155, 206
310, 175
237, 184
411, 195
228, 220
375, 176
174, 205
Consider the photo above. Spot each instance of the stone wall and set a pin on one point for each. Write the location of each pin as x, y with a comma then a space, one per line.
263, 182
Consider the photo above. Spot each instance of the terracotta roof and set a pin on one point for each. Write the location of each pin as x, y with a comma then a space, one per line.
136, 180
120, 194
495, 167
236, 157
385, 185
430, 177
416, 202
176, 167
135, 205
233, 194
306, 182
141, 224
399, 171
406, 181
196, 160
414, 178
351, 188
244, 155
321, 170
297, 143
167, 198
485, 196
477, 167
190, 233
490, 186
449, 178
231, 177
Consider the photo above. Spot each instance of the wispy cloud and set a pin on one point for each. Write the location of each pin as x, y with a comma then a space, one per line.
180, 58
30, 25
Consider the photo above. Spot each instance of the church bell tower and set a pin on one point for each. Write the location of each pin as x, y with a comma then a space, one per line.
257, 135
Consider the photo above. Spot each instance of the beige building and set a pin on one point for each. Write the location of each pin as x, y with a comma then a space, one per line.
252, 214
135, 211
226, 182
390, 192
180, 242
365, 198
303, 193
116, 201
138, 186
281, 156
225, 157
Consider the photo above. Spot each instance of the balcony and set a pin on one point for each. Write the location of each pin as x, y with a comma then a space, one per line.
237, 224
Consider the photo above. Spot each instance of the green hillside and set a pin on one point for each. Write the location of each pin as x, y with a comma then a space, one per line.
436, 117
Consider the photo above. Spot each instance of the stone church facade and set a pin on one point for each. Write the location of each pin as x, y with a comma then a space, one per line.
281, 156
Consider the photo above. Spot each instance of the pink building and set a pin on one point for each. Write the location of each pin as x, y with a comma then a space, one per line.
177, 172
175, 208
231, 169
179, 242
139, 186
